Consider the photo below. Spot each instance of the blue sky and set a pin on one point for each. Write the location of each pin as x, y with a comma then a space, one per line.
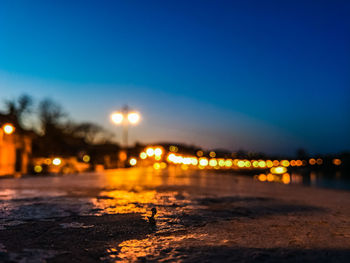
267, 76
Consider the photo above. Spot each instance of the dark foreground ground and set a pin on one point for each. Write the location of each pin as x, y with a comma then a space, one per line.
202, 217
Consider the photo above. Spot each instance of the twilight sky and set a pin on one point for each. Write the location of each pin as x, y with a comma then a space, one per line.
268, 76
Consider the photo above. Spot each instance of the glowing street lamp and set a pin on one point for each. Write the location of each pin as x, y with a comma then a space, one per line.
125, 117
8, 128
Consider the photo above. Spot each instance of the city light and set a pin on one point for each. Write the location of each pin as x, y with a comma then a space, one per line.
278, 170
337, 162
8, 128
150, 151
117, 117
38, 168
86, 158
56, 161
132, 161
143, 155
133, 117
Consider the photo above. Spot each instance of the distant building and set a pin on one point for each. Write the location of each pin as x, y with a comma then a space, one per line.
15, 146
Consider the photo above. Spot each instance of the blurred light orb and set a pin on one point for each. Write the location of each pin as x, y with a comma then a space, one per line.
319, 161
213, 162
240, 163
278, 170
228, 163
133, 161
158, 151
8, 128
117, 117
86, 158
286, 178
212, 154
133, 117
285, 163
56, 161
156, 166
203, 162
262, 164
199, 153
150, 151
270, 177
173, 148
38, 168
143, 155
312, 161
337, 162
262, 177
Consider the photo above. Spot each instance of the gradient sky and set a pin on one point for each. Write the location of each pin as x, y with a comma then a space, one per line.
268, 76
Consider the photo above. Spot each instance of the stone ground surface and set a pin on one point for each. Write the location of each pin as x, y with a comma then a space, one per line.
202, 217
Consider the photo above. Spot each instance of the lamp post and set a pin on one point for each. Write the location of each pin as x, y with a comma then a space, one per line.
125, 117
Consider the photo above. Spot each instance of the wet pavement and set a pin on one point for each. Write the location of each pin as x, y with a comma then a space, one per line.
202, 216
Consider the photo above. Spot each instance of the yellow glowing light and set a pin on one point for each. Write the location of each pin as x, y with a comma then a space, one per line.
285, 163
240, 163
319, 161
270, 177
200, 153
163, 165
228, 163
157, 157
312, 161
247, 163
158, 151
203, 162
269, 163
255, 164
117, 117
173, 148
143, 155
337, 162
86, 158
286, 178
133, 117
262, 164
123, 155
133, 161
38, 168
48, 161
221, 162
56, 161
262, 177
8, 128
194, 161
213, 162
212, 154
150, 151
156, 166
278, 170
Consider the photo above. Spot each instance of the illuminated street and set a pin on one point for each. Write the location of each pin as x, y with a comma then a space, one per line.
201, 216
